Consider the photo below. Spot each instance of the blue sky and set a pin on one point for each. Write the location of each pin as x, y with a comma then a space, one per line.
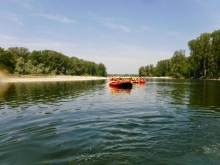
122, 34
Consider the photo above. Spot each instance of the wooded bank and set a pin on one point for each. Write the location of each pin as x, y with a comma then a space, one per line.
19, 60
203, 61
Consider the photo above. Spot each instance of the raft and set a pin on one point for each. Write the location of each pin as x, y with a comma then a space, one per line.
142, 81
135, 82
139, 81
120, 84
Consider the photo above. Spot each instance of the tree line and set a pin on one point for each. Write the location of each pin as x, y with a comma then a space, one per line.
19, 60
203, 61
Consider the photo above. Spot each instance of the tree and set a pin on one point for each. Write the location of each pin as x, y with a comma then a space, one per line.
28, 67
204, 50
6, 60
215, 53
22, 61
20, 65
141, 71
18, 52
163, 68
194, 59
102, 70
179, 64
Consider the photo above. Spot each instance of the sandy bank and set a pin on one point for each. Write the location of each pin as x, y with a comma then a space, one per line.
49, 79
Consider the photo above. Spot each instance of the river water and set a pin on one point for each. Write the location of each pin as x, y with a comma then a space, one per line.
164, 121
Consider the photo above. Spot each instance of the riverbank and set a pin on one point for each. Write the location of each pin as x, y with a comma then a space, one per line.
161, 77
183, 78
13, 79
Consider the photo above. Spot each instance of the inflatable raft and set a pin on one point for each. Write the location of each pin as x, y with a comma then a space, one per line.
120, 84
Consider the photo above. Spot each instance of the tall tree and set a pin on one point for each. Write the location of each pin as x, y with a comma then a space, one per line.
215, 52
179, 64
195, 58
163, 68
204, 50
142, 71
18, 52
7, 61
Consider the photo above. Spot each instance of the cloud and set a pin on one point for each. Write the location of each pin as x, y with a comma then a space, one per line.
117, 57
59, 18
13, 17
146, 27
6, 38
120, 58
112, 23
33, 43
118, 26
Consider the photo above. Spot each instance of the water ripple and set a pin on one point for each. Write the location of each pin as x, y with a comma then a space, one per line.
162, 122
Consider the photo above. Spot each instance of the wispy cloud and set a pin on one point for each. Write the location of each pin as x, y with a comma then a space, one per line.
112, 23
146, 27
59, 18
118, 26
7, 37
134, 55
33, 43
18, 19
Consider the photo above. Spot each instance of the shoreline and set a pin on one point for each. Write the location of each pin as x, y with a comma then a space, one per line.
160, 77
25, 79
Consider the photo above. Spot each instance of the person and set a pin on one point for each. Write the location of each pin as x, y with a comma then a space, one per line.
111, 78
142, 79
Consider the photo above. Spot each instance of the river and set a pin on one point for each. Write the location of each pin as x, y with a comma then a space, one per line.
164, 121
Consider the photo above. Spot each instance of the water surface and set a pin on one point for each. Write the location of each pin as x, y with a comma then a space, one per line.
161, 122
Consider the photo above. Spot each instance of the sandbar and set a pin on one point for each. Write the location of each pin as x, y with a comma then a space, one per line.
23, 79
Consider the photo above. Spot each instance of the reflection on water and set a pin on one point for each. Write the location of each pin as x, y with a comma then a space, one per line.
4, 87
205, 94
161, 122
49, 92
115, 91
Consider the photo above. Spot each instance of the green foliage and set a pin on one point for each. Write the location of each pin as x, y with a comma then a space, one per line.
163, 68
22, 61
204, 57
179, 64
7, 61
19, 52
28, 67
203, 61
20, 66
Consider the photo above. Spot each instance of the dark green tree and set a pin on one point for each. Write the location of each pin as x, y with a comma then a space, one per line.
179, 65
7, 61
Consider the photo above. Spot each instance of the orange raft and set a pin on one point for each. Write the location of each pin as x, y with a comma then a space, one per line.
121, 84
139, 81
142, 81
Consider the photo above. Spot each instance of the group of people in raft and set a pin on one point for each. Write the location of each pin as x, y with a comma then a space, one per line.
131, 79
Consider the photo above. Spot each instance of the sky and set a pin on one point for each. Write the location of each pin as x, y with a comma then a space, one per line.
122, 34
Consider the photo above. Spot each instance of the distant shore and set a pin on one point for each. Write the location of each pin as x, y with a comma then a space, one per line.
15, 79
160, 77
